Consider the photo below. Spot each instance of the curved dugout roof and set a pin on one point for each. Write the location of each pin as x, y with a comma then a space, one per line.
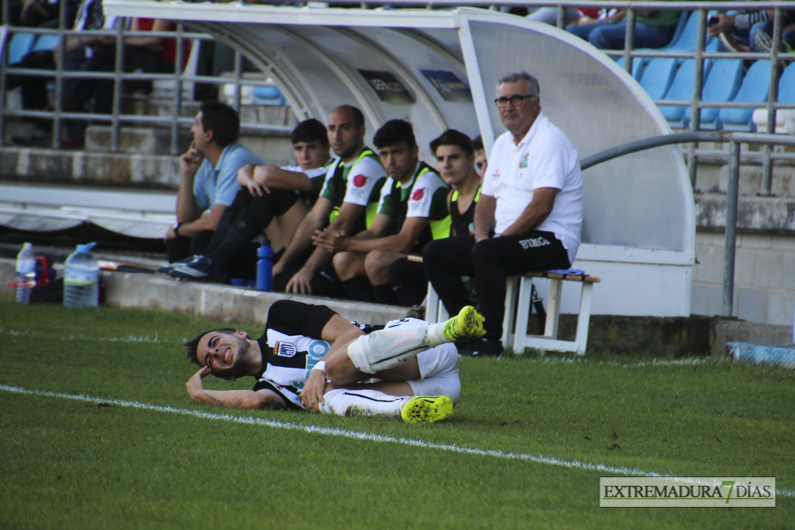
438, 69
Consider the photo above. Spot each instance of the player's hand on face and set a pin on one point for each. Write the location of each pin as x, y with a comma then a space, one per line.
314, 388
190, 160
195, 384
299, 283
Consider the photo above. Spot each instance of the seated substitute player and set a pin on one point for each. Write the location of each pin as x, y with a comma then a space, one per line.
347, 204
273, 199
456, 159
311, 358
411, 212
481, 162
207, 184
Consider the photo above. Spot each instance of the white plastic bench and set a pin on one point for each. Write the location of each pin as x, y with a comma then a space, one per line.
515, 324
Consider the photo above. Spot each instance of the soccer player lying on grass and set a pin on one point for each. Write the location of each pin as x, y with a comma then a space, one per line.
311, 358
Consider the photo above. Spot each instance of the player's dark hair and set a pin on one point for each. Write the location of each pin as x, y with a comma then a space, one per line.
453, 137
192, 345
309, 131
394, 132
358, 117
222, 120
477, 143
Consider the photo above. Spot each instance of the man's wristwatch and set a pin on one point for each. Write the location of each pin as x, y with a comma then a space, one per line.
176, 228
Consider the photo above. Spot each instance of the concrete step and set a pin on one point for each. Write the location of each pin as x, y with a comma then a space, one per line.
714, 178
754, 214
82, 167
273, 147
143, 140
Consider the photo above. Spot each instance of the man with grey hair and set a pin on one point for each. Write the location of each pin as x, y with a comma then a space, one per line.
528, 218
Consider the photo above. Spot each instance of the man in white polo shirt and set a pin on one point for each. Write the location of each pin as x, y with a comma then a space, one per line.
531, 199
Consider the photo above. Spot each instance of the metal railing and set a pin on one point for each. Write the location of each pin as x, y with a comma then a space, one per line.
735, 141
175, 121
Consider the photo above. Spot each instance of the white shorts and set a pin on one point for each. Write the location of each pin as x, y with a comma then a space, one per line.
438, 373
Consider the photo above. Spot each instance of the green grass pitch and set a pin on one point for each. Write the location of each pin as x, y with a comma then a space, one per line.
98, 432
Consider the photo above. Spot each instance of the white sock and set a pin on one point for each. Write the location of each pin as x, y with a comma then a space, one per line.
389, 347
343, 402
435, 334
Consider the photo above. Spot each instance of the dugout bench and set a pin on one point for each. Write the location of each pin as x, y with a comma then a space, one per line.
518, 296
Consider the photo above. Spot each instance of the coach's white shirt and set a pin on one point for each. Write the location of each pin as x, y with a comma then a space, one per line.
545, 158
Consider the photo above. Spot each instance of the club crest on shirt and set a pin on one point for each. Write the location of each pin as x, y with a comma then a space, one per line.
359, 180
524, 162
418, 194
284, 349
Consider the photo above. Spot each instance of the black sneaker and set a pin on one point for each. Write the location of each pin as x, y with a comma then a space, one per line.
200, 269
166, 269
482, 348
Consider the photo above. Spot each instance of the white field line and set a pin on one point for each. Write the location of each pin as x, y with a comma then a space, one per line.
75, 336
690, 361
540, 459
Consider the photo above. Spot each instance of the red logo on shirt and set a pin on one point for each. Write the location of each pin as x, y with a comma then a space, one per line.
418, 195
359, 181
496, 174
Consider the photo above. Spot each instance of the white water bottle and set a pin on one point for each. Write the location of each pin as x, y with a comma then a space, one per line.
26, 273
81, 278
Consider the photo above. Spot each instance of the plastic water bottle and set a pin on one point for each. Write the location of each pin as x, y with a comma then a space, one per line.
81, 278
26, 273
265, 267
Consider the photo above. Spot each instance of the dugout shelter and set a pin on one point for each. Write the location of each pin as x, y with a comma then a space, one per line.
438, 70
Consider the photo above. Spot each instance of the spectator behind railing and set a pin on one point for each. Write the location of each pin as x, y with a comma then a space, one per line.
38, 13
653, 29
93, 51
760, 36
33, 13
97, 53
734, 29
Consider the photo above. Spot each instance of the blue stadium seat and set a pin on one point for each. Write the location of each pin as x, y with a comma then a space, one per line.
688, 38
785, 118
685, 37
682, 27
721, 84
637, 66
755, 87
46, 42
657, 77
681, 89
20, 45
268, 95
786, 85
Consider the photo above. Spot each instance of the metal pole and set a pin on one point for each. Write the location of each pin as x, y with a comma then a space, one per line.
629, 40
770, 126
178, 69
561, 17
117, 87
698, 83
5, 59
238, 101
730, 245
58, 96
